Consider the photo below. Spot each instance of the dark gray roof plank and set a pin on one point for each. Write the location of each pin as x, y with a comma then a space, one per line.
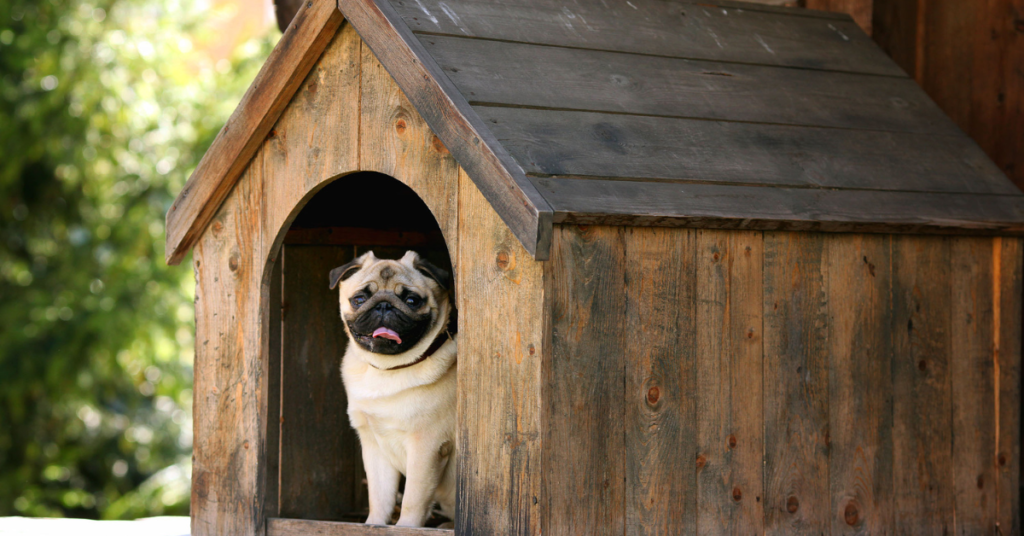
794, 209
500, 180
654, 27
555, 77
547, 142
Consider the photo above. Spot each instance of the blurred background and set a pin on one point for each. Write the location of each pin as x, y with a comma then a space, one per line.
106, 106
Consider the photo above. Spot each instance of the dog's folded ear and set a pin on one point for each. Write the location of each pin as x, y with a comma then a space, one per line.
345, 271
439, 275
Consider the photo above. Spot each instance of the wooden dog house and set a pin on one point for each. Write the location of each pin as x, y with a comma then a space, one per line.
721, 268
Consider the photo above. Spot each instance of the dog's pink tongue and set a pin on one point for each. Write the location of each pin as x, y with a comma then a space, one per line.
387, 334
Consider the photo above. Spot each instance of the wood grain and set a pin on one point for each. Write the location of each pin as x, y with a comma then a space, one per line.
1007, 282
321, 472
736, 32
502, 308
605, 145
584, 403
796, 404
230, 400
395, 140
517, 74
317, 137
260, 107
860, 384
587, 201
460, 130
304, 527
660, 381
972, 382
922, 427
966, 56
274, 372
729, 377
860, 10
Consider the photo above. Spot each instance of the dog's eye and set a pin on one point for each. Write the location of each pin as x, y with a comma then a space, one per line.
358, 300
413, 301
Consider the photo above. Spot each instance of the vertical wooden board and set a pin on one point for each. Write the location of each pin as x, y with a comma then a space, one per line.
972, 383
796, 384
729, 378
1008, 292
860, 384
661, 384
922, 433
583, 434
502, 344
321, 462
396, 141
230, 393
317, 136
273, 451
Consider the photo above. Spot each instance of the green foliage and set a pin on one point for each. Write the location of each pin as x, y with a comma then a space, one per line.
104, 111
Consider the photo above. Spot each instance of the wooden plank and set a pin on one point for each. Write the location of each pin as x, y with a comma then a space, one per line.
584, 378
305, 527
1008, 291
260, 107
661, 383
922, 427
972, 380
502, 309
321, 473
453, 121
498, 72
274, 372
317, 137
231, 394
729, 375
860, 10
735, 32
396, 141
799, 209
362, 236
796, 405
860, 384
605, 145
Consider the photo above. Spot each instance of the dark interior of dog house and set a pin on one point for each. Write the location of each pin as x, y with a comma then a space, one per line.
315, 468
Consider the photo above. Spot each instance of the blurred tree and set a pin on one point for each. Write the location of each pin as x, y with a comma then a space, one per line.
105, 108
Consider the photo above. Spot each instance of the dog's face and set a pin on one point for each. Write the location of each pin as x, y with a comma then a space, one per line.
388, 306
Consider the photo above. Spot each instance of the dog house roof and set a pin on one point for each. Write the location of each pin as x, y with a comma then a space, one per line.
645, 112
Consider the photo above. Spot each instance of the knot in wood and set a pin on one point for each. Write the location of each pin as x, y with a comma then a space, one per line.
701, 461
503, 260
732, 441
851, 514
715, 256
792, 504
438, 147
1002, 460
233, 263
400, 126
922, 365
737, 494
653, 394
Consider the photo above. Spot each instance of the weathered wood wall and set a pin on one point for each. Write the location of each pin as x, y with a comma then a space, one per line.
721, 382
968, 56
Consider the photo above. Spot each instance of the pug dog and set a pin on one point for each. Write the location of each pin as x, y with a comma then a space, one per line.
399, 372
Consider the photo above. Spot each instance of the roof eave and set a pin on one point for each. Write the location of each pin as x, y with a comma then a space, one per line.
221, 167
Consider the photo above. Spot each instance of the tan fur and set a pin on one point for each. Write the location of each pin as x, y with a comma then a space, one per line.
405, 418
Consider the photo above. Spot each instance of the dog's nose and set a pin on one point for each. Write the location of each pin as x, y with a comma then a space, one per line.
384, 306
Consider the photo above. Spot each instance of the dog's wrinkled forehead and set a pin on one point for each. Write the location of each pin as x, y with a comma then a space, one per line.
409, 272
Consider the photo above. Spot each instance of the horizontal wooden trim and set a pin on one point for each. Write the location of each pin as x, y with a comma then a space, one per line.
717, 206
500, 180
305, 527
223, 164
360, 236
